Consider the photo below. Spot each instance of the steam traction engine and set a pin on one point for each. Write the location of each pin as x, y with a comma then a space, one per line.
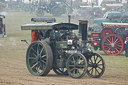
109, 32
111, 39
55, 7
61, 50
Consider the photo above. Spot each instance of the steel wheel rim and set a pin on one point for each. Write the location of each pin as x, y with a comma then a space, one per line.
60, 71
36, 59
76, 66
112, 45
96, 66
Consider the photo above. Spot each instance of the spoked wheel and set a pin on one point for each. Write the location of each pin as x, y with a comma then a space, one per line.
96, 66
60, 71
39, 58
106, 31
112, 45
76, 65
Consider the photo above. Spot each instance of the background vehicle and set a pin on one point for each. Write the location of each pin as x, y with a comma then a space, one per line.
56, 8
2, 27
110, 37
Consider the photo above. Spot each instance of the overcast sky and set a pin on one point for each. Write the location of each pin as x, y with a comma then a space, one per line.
28, 1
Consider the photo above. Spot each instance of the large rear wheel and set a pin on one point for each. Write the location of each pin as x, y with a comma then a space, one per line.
39, 58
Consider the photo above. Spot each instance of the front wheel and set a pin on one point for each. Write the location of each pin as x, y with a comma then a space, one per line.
96, 66
76, 65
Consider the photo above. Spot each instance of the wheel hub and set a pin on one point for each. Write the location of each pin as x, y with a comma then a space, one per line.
112, 44
94, 65
38, 58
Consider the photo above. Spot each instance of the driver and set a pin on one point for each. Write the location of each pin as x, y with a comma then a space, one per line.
35, 36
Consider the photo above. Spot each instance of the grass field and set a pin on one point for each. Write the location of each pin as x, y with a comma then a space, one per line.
13, 69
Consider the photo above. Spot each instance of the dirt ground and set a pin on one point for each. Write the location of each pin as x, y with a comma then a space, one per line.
13, 69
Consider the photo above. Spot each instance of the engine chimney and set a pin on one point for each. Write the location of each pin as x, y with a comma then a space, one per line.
83, 33
83, 29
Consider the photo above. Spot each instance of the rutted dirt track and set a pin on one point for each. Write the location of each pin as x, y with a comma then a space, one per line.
13, 69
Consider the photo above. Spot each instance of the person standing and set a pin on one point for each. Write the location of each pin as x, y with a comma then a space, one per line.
35, 36
126, 47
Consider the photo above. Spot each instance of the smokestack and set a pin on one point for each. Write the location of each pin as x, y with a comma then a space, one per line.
83, 29
69, 18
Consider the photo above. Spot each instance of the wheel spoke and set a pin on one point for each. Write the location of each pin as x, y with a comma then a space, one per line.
72, 69
74, 60
112, 40
43, 61
100, 64
107, 44
81, 66
43, 56
32, 58
33, 50
91, 61
78, 72
71, 65
99, 61
116, 40
108, 40
35, 55
118, 45
96, 59
38, 68
100, 68
41, 50
35, 65
92, 71
97, 71
37, 49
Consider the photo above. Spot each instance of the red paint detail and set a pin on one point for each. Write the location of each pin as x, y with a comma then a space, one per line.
106, 31
112, 50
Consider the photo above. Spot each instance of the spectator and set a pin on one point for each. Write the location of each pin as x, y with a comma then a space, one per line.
126, 47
